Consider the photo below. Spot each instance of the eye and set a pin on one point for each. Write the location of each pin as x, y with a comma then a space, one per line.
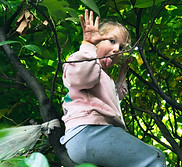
112, 41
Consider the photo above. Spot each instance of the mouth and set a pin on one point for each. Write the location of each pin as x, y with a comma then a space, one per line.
108, 62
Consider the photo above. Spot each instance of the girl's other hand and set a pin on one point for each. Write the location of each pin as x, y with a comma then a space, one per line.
91, 29
129, 60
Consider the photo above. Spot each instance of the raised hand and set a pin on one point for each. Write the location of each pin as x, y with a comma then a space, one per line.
90, 29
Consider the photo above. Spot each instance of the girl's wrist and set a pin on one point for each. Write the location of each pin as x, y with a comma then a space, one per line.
86, 42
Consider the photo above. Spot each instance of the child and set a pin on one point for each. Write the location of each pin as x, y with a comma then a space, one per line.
95, 128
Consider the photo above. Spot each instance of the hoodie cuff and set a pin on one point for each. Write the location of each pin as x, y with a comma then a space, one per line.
86, 42
88, 47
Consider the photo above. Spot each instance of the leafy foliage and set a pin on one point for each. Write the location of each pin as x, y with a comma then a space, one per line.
35, 159
152, 109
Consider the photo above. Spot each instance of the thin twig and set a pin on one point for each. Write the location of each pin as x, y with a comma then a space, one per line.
142, 45
154, 49
51, 24
55, 76
159, 141
155, 82
116, 9
98, 58
12, 18
166, 133
123, 51
8, 119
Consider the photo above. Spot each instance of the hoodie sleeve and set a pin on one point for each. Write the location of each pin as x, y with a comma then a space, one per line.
121, 82
122, 89
82, 75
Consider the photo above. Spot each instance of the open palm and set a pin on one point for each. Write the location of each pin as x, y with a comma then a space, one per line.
90, 29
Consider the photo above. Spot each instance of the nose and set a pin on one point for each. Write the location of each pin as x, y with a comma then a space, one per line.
115, 48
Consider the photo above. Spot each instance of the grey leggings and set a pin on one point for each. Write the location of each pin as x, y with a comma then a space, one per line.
110, 146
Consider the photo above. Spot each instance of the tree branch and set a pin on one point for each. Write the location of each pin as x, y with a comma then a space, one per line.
27, 77
116, 9
165, 57
130, 103
166, 134
47, 112
164, 131
160, 91
159, 141
150, 85
12, 18
153, 21
58, 50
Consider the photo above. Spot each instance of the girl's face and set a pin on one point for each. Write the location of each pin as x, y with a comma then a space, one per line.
113, 45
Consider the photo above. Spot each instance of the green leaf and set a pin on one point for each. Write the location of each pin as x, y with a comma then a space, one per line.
55, 9
33, 48
86, 165
5, 2
179, 119
3, 133
73, 19
92, 5
146, 3
14, 162
8, 42
72, 12
37, 160
169, 61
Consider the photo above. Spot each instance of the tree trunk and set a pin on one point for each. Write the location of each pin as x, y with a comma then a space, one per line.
47, 112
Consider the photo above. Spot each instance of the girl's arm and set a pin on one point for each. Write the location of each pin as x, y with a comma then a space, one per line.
121, 81
85, 74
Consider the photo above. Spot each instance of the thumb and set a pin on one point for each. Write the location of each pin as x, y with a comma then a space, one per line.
98, 39
101, 38
104, 38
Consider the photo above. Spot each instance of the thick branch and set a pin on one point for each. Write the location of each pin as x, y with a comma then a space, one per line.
166, 134
47, 112
29, 78
160, 91
159, 141
139, 12
150, 85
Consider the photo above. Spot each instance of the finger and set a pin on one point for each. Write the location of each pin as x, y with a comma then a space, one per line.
97, 22
82, 22
91, 18
86, 17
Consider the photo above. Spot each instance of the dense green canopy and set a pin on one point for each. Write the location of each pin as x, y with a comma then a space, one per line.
36, 38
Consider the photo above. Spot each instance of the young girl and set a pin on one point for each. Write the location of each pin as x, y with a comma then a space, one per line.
95, 128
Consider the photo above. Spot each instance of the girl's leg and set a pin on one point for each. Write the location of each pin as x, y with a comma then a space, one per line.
111, 146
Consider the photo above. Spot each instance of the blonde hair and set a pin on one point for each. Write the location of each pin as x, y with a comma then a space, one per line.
107, 26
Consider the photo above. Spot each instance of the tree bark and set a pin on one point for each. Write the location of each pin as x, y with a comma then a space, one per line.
47, 112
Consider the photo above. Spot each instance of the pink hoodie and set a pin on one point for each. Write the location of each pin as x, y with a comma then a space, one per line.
92, 96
